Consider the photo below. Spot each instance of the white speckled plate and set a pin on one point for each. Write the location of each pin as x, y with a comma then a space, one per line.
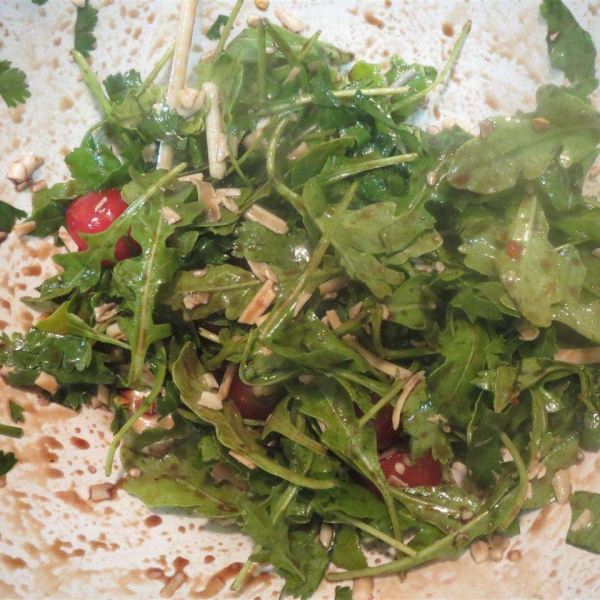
54, 542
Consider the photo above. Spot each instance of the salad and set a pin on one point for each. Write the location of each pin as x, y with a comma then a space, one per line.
314, 319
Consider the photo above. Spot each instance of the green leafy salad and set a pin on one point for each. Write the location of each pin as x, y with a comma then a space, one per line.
318, 321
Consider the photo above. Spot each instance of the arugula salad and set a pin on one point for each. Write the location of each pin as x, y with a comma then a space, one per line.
314, 319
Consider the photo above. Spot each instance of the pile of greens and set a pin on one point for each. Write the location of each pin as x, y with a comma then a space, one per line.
472, 258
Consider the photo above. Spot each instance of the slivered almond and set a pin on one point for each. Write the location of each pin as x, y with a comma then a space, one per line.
259, 304
24, 228
266, 218
408, 388
289, 21
101, 491
561, 483
262, 270
583, 521
333, 285
302, 300
47, 382
105, 312
210, 381
362, 588
354, 311
579, 356
67, 240
227, 380
242, 459
210, 400
169, 215
190, 301
326, 535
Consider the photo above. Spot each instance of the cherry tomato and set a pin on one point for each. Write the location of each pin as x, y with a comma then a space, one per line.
424, 471
250, 406
90, 214
384, 432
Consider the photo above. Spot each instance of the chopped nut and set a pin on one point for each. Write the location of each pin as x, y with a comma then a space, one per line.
24, 228
210, 381
306, 379
486, 128
299, 151
253, 20
579, 356
38, 186
302, 300
333, 285
480, 552
227, 380
552, 37
261, 4
262, 271
354, 311
105, 312
67, 240
431, 178
47, 382
527, 331
101, 491
242, 459
326, 535
114, 331
267, 219
134, 472
259, 304
539, 123
169, 215
190, 301
362, 588
23, 168
211, 400
289, 21
400, 468
200, 273
411, 384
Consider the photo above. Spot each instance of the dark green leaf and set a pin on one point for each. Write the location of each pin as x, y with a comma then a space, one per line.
7, 462
584, 532
571, 47
16, 412
214, 32
85, 41
8, 215
13, 85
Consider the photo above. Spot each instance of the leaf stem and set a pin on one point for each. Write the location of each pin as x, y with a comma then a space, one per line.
155, 71
389, 396
376, 534
262, 61
159, 377
521, 488
91, 81
292, 197
227, 28
444, 72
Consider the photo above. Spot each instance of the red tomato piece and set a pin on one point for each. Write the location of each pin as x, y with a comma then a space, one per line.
250, 406
91, 214
385, 434
424, 471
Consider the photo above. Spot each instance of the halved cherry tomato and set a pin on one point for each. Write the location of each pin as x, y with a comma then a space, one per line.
90, 214
385, 434
413, 473
250, 406
384, 431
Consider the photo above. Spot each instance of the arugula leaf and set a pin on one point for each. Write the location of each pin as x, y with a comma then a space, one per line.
521, 147
172, 481
13, 85
85, 41
214, 32
462, 345
529, 274
8, 215
7, 462
16, 412
343, 593
68, 358
571, 48
347, 553
584, 531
